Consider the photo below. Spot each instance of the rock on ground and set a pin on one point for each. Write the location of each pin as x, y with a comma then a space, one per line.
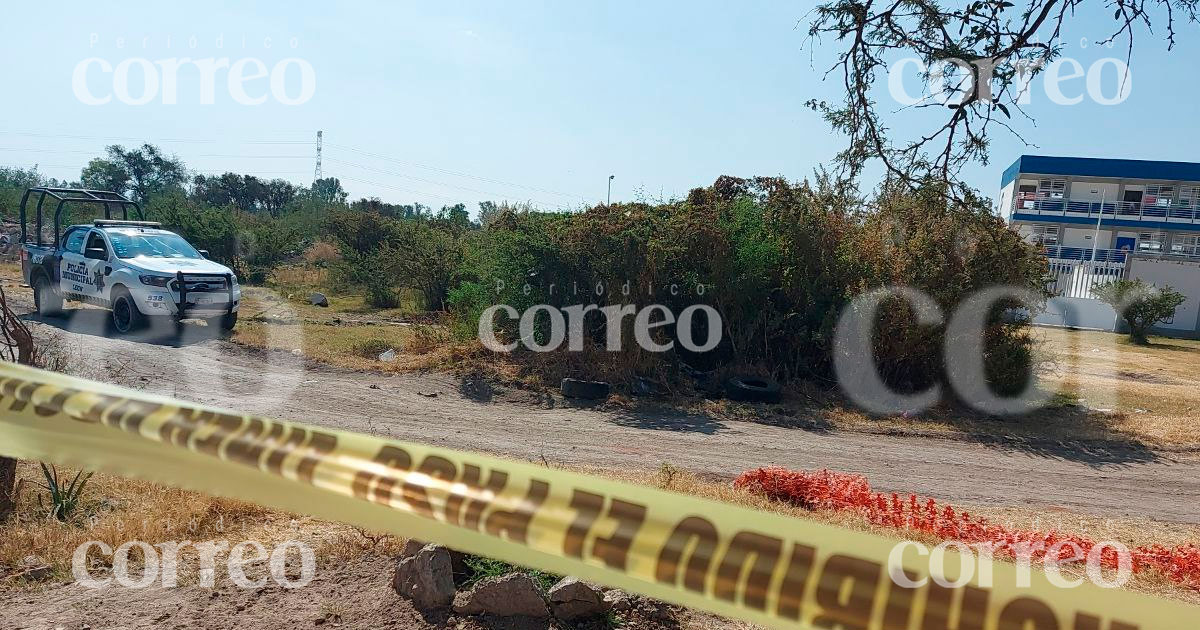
411, 547
573, 598
618, 600
512, 595
427, 578
318, 299
458, 559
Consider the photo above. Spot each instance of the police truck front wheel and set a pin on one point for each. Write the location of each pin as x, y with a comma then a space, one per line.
125, 314
45, 300
225, 322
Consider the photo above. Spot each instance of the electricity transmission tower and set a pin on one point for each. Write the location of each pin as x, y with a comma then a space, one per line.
317, 170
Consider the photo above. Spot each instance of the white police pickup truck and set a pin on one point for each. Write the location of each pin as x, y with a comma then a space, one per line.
134, 268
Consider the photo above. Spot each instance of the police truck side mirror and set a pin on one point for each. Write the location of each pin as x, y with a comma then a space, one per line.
96, 253
203, 252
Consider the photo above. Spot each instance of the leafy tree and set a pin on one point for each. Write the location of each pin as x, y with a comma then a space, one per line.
490, 210
13, 183
359, 232
455, 217
487, 211
1140, 305
277, 194
397, 211
328, 190
228, 189
245, 192
102, 174
427, 256
141, 172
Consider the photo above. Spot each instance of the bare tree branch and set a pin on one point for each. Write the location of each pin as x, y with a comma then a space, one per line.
993, 47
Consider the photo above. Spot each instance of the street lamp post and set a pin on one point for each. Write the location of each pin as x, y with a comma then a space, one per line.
1096, 236
608, 202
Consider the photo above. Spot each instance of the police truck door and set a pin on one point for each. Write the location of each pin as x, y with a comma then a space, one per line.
74, 279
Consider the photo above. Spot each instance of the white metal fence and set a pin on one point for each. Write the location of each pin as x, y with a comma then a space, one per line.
1077, 278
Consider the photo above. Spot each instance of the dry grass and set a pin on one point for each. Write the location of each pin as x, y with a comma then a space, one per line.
1151, 389
118, 510
356, 346
1101, 387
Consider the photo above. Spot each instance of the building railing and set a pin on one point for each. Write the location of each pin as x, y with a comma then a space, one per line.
1119, 256
1042, 204
1059, 252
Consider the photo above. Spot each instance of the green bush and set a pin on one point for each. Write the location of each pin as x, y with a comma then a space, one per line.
466, 303
1140, 305
374, 271
779, 261
205, 227
64, 497
384, 254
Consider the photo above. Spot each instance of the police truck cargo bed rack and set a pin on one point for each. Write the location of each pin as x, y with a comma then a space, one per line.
72, 195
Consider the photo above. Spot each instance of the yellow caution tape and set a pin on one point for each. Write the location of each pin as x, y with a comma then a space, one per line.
769, 569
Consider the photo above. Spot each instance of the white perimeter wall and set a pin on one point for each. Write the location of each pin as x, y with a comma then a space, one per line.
1077, 313
1183, 276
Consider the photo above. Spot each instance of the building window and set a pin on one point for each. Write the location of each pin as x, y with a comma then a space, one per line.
1185, 245
1026, 197
1052, 188
1189, 196
1045, 235
1151, 242
1159, 195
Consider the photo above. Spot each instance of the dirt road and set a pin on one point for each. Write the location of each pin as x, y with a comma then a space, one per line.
439, 409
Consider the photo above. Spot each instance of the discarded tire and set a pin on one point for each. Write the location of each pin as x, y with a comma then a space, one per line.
590, 390
752, 389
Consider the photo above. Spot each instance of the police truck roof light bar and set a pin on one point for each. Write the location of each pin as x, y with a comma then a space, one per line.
119, 223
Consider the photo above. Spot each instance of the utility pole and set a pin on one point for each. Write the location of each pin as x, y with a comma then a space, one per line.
608, 202
317, 171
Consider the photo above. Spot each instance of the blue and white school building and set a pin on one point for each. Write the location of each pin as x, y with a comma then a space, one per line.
1098, 219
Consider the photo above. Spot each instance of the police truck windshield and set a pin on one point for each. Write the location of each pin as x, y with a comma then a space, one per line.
151, 245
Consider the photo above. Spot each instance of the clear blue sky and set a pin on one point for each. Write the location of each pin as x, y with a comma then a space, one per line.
515, 100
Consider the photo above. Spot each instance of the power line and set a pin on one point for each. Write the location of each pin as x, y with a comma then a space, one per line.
427, 181
451, 172
144, 138
200, 155
351, 149
197, 171
401, 188
255, 172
